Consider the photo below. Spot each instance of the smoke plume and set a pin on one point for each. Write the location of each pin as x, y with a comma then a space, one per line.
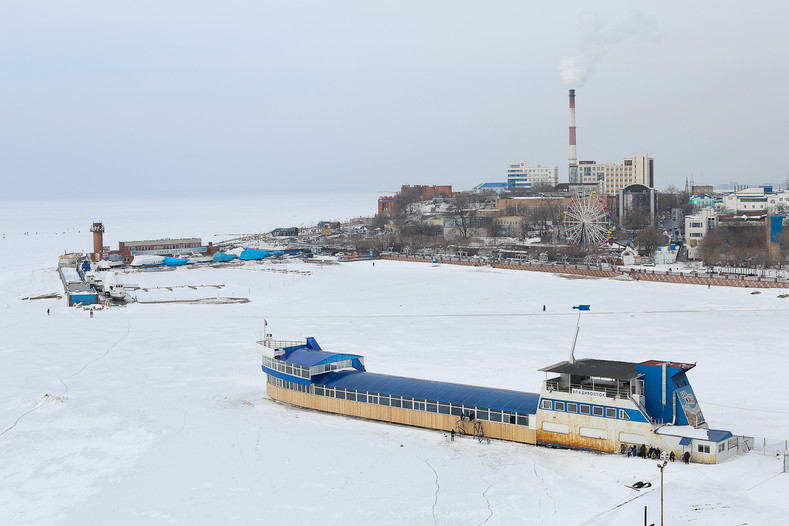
594, 40
575, 70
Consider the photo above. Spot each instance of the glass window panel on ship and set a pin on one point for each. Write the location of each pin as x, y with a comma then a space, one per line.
415, 404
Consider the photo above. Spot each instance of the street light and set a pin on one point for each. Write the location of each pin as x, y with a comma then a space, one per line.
660, 467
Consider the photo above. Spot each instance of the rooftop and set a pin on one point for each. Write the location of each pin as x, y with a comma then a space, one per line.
714, 435
597, 368
310, 357
469, 395
673, 365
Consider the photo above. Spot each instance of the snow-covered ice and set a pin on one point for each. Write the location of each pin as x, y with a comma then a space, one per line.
157, 413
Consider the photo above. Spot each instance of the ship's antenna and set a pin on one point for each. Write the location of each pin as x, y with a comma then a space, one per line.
577, 328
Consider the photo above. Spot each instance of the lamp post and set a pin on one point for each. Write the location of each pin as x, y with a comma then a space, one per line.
660, 467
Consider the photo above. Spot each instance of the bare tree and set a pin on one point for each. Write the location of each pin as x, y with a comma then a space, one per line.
650, 238
461, 213
710, 248
405, 198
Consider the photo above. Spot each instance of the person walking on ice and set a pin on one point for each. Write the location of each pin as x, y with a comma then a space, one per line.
452, 435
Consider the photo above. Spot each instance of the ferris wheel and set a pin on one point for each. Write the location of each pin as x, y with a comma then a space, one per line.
587, 220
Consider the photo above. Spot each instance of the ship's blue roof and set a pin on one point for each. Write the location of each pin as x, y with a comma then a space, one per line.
309, 357
470, 395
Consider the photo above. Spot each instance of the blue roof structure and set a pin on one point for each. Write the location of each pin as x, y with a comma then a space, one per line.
716, 435
309, 357
684, 441
469, 395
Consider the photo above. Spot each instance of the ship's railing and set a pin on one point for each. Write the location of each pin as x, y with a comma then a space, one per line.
280, 344
555, 386
644, 412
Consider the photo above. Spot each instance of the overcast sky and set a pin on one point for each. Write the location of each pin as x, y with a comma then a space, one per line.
165, 98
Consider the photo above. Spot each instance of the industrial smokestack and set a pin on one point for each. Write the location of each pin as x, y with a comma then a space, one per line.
573, 155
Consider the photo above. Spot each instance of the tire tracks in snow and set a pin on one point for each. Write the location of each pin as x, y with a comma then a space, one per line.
47, 398
591, 520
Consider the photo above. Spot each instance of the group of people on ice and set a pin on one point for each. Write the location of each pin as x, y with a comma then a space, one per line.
654, 453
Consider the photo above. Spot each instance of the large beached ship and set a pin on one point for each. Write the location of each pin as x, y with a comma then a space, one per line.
598, 405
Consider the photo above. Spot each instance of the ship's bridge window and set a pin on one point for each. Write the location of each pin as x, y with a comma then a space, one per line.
584, 409
610, 412
559, 406
597, 411
572, 407
623, 415
546, 404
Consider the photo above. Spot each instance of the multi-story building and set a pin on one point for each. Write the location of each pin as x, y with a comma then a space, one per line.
748, 200
430, 191
702, 201
386, 204
425, 192
778, 203
638, 169
521, 176
696, 227
757, 199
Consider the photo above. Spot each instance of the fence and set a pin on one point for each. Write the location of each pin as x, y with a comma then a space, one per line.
602, 271
771, 447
